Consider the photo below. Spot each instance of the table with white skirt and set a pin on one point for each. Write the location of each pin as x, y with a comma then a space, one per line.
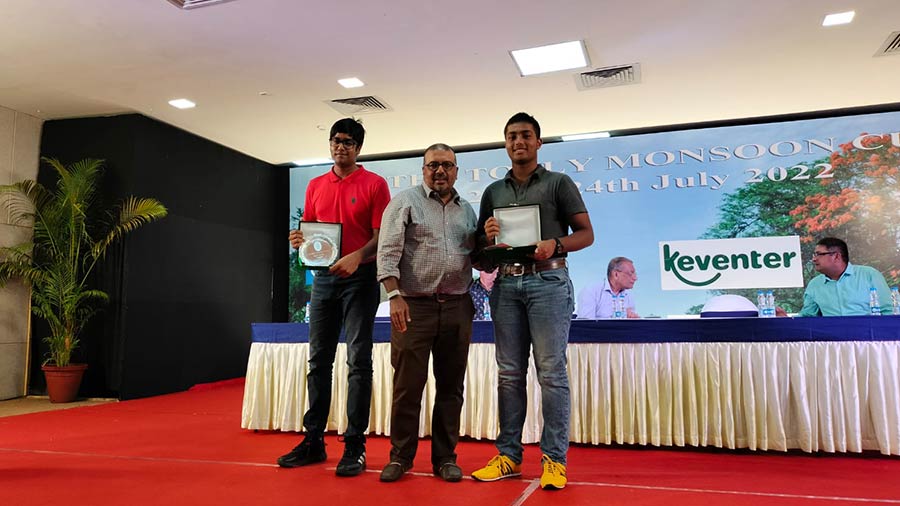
815, 384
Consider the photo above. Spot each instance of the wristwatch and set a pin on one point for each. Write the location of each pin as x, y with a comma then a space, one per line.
393, 293
559, 246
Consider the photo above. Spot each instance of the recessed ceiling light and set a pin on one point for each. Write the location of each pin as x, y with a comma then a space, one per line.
312, 161
552, 58
581, 137
351, 82
182, 103
840, 18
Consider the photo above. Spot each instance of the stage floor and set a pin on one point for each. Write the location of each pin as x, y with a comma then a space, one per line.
188, 448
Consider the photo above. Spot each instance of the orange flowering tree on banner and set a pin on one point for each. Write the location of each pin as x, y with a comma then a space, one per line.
861, 204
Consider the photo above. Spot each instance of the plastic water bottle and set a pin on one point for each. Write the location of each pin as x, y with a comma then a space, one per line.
895, 301
487, 310
761, 303
874, 304
770, 304
306, 314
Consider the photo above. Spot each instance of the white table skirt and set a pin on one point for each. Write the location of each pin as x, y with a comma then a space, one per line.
814, 396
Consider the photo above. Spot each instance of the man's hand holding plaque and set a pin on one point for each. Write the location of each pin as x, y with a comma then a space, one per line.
515, 230
319, 244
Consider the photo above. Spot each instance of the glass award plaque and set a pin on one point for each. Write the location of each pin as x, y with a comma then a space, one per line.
520, 231
321, 246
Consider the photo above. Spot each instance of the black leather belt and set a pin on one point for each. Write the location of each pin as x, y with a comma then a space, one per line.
442, 297
518, 269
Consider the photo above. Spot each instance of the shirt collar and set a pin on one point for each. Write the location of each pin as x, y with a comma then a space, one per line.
538, 172
849, 271
429, 193
334, 178
608, 287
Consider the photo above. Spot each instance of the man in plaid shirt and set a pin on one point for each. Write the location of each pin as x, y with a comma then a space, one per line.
425, 248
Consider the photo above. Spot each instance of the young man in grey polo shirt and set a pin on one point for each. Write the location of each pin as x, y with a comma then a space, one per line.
532, 303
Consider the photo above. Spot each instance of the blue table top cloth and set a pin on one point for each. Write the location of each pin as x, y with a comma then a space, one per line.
703, 330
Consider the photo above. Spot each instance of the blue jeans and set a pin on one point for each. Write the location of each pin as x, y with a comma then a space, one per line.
335, 303
533, 312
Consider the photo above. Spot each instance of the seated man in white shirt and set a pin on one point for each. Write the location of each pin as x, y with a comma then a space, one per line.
596, 301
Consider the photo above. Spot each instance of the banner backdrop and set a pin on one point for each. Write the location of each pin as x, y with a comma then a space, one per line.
810, 179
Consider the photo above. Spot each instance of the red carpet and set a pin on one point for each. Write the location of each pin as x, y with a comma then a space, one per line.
188, 448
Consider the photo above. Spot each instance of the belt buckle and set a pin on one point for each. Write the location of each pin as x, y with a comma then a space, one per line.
439, 297
515, 269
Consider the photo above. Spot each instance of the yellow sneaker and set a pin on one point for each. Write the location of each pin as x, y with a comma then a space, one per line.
554, 475
498, 468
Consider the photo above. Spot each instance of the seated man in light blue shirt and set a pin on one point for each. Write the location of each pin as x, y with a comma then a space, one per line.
842, 289
596, 301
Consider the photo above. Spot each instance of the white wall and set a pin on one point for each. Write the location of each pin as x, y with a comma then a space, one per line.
20, 136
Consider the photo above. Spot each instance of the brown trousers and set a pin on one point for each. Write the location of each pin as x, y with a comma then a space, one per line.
441, 329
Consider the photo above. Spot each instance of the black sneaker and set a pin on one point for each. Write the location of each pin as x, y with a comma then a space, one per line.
354, 460
309, 451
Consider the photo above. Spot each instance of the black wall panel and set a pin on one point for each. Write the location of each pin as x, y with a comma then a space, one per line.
183, 290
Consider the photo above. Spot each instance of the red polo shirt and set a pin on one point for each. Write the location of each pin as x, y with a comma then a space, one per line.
356, 201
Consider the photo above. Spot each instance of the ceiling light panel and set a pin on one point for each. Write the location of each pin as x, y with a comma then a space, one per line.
840, 18
351, 82
552, 58
182, 103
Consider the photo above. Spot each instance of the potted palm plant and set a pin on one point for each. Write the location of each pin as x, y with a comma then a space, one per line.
71, 235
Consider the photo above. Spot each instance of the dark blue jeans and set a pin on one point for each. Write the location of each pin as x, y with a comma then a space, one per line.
349, 303
532, 313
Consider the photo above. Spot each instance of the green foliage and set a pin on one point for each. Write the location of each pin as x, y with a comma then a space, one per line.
696, 309
759, 210
856, 203
299, 292
71, 234
860, 203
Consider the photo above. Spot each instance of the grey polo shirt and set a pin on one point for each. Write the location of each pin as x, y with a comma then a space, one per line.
555, 192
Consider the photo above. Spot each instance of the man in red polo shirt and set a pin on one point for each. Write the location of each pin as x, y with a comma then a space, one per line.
346, 295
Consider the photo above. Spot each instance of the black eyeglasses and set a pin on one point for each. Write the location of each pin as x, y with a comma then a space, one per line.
434, 166
823, 253
348, 143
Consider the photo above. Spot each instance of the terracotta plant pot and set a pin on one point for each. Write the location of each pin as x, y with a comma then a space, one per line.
63, 382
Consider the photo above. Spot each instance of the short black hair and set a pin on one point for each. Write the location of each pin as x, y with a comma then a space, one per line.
834, 242
350, 127
524, 117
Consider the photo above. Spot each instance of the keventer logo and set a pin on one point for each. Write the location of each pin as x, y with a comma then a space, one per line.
731, 263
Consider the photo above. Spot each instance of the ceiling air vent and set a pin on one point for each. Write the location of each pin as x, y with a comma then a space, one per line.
891, 45
608, 76
358, 105
195, 4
